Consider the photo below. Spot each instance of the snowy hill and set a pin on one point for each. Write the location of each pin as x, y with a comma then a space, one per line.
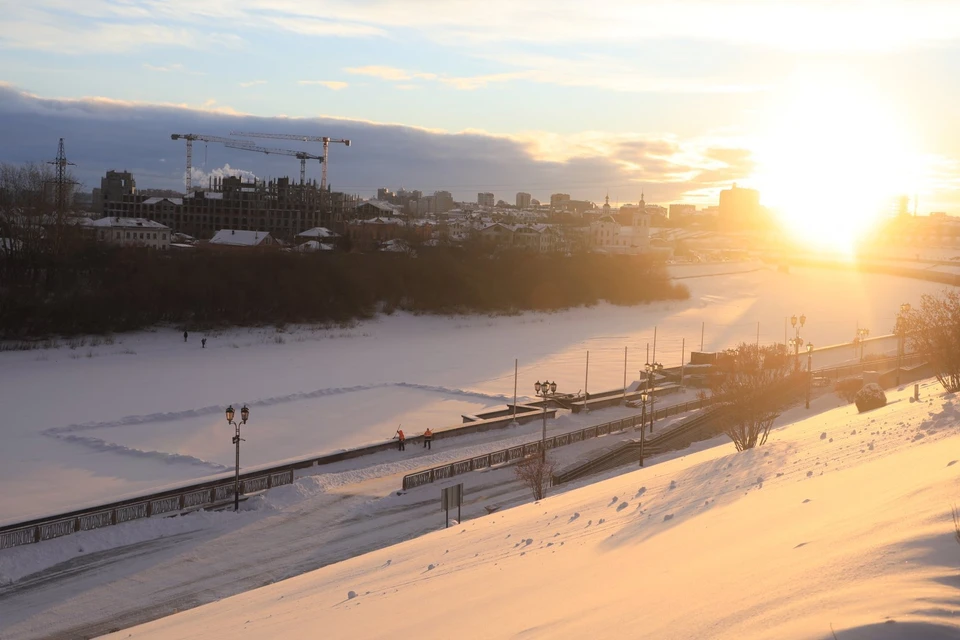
840, 524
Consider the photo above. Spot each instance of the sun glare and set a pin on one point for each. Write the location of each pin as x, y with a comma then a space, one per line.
832, 163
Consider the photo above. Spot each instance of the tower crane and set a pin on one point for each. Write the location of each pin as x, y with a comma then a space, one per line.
190, 137
301, 155
292, 136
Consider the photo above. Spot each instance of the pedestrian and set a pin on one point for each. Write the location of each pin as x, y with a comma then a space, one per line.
184, 336
203, 343
428, 439
402, 439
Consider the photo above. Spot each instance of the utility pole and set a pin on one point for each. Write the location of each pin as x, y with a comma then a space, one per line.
516, 363
702, 326
586, 379
624, 374
61, 183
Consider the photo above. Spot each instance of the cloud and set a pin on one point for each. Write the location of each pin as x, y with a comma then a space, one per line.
465, 83
252, 83
110, 134
171, 68
336, 85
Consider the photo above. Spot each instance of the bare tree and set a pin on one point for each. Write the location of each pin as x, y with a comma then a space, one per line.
536, 473
753, 386
934, 332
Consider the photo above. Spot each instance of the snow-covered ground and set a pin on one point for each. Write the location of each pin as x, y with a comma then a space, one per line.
84, 423
840, 526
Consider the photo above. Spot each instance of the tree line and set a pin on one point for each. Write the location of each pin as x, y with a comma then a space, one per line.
88, 287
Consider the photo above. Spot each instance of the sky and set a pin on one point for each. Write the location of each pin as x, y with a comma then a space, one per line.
805, 100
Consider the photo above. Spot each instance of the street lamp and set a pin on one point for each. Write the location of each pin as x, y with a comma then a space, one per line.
544, 390
809, 370
643, 422
861, 338
796, 341
652, 368
244, 416
902, 331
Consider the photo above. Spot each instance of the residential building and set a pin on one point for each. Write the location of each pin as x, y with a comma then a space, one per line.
559, 200
680, 211
443, 201
375, 209
113, 188
523, 200
485, 199
740, 209
241, 238
135, 232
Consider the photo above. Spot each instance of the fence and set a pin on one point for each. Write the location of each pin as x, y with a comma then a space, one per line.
165, 503
505, 456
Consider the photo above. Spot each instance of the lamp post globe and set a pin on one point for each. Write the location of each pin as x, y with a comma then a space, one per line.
244, 414
230, 414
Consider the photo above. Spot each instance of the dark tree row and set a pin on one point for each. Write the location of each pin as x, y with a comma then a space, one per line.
98, 289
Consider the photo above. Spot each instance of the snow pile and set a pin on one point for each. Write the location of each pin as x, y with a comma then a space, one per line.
804, 537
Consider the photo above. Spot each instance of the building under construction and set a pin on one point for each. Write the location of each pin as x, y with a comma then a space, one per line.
281, 207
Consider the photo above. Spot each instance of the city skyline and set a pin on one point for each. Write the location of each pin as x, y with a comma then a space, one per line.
807, 102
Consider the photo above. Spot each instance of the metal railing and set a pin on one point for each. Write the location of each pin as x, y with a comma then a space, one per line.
166, 503
513, 454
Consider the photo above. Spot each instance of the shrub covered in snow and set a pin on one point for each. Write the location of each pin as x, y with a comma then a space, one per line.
870, 397
847, 388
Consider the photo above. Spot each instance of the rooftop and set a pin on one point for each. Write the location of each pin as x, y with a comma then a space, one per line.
128, 223
239, 238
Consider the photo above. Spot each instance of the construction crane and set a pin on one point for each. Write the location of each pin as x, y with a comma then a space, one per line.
190, 137
291, 136
301, 155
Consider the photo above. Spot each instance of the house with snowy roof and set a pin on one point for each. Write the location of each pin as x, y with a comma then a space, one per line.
139, 232
608, 235
241, 238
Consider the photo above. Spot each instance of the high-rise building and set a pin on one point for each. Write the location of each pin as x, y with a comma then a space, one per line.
113, 187
485, 199
740, 208
559, 200
443, 201
523, 200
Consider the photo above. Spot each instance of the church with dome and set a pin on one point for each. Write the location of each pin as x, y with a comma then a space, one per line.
610, 235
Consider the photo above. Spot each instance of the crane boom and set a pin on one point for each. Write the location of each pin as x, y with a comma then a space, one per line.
292, 136
303, 156
190, 137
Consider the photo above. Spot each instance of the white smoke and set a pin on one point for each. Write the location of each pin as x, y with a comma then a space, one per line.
201, 178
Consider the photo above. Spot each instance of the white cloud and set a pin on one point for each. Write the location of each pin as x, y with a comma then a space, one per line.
171, 68
466, 83
252, 83
335, 85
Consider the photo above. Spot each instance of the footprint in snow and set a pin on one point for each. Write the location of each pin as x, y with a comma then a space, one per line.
667, 517
640, 492
574, 516
528, 541
802, 544
613, 500
951, 463
806, 501
431, 567
622, 506
601, 521
350, 596
589, 522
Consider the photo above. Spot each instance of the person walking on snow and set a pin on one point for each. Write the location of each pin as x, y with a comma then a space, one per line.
184, 336
402, 439
203, 343
428, 439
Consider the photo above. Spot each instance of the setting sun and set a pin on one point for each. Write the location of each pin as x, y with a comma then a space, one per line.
833, 161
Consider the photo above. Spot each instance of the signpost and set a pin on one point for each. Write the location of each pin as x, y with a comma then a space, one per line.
451, 497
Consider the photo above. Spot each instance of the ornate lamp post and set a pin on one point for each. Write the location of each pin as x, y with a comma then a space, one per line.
809, 370
652, 368
796, 341
643, 422
244, 416
544, 390
902, 333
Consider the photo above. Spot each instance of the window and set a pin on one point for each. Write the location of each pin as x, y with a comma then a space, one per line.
128, 235
118, 235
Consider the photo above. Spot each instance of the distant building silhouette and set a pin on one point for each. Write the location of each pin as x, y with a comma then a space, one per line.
523, 200
740, 209
559, 200
485, 199
113, 187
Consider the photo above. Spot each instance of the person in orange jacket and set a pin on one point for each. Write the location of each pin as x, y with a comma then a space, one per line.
402, 439
427, 439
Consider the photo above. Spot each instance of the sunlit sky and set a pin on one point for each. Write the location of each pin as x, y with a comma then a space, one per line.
820, 105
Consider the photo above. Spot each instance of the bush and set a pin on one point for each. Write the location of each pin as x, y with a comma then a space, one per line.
933, 329
870, 397
847, 388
